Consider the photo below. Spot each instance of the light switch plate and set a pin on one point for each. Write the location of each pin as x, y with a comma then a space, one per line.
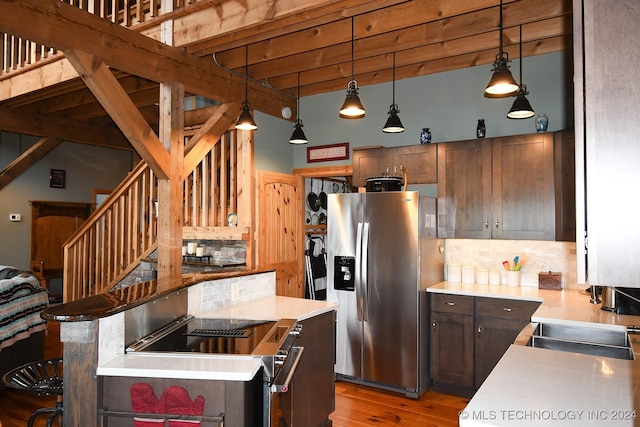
15, 217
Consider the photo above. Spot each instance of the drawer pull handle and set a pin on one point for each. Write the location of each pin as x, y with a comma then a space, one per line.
433, 325
486, 223
507, 309
450, 303
479, 329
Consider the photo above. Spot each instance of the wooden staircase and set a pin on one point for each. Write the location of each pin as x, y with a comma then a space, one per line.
123, 230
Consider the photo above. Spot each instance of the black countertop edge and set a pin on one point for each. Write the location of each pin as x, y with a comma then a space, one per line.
113, 302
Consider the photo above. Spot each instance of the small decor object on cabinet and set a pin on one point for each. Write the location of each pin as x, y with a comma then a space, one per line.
542, 122
481, 130
425, 136
57, 178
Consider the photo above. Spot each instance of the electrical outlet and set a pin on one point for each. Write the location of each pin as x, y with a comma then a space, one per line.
235, 291
15, 217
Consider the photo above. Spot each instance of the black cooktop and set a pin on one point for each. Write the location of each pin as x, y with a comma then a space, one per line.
214, 336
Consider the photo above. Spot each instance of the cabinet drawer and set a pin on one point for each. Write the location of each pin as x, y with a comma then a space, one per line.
447, 303
502, 308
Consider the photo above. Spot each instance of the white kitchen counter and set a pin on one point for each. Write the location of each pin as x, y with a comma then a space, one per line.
538, 387
216, 367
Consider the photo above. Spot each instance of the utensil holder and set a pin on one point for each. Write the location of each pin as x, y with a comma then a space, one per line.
513, 278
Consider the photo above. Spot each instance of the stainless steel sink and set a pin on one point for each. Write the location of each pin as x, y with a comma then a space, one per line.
582, 339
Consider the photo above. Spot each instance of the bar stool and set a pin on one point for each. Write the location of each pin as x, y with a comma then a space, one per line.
44, 378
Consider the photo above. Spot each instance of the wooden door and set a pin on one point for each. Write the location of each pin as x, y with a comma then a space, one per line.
464, 189
419, 161
280, 219
523, 187
451, 348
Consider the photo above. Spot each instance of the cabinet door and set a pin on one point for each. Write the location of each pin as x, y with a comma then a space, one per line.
452, 348
419, 161
492, 339
565, 174
313, 380
523, 187
369, 163
464, 189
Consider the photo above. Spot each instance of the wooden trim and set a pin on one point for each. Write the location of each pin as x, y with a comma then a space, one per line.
324, 171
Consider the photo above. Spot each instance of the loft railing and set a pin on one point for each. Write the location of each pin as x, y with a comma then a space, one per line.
19, 54
123, 229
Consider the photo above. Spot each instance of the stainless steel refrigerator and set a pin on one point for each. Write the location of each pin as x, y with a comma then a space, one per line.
382, 254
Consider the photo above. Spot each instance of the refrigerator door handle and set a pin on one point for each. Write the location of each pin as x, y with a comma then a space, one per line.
365, 269
358, 272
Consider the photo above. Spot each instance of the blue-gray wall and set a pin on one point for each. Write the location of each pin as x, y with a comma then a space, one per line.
448, 103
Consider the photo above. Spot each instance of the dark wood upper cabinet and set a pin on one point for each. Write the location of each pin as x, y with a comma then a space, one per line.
419, 162
506, 188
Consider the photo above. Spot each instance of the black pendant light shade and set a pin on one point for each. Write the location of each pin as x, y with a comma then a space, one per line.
298, 136
502, 83
393, 125
521, 109
352, 107
245, 121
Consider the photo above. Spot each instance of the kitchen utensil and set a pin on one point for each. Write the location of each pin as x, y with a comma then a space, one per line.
506, 265
307, 217
315, 219
313, 202
323, 197
322, 218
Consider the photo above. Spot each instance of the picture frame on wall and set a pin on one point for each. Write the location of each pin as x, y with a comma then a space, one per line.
57, 178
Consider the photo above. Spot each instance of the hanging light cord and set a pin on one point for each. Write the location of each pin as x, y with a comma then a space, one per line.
298, 98
501, 42
521, 56
246, 74
393, 87
352, 53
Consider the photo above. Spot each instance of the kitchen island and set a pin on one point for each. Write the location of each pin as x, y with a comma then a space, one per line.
536, 386
96, 331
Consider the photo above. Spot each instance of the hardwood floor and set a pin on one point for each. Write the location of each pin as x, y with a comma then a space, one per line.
355, 405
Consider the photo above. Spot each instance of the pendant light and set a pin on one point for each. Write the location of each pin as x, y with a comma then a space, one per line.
352, 107
393, 125
298, 136
502, 83
245, 121
521, 109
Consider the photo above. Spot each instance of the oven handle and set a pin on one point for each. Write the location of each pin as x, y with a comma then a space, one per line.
281, 382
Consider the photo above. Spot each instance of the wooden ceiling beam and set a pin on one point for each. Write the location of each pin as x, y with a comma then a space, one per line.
27, 159
122, 110
67, 27
70, 130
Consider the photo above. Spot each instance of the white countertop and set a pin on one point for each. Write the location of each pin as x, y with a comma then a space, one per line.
538, 387
216, 367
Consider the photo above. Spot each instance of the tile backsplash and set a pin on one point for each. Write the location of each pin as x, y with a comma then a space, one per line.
542, 256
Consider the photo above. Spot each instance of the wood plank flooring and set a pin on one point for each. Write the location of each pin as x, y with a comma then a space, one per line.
356, 406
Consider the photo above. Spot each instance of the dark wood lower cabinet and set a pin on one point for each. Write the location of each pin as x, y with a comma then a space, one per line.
469, 335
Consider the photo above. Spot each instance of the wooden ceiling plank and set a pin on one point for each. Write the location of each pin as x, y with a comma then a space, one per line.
122, 110
27, 159
126, 50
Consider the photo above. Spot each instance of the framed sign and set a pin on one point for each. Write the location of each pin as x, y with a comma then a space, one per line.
326, 153
57, 178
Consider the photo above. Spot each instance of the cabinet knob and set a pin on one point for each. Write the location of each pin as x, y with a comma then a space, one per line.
479, 329
486, 223
450, 303
497, 223
433, 325
507, 309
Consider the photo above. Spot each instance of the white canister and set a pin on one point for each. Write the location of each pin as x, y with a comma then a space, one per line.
184, 250
191, 248
468, 274
482, 276
494, 277
513, 278
200, 251
454, 272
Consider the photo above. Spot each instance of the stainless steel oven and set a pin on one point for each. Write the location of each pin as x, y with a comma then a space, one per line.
273, 342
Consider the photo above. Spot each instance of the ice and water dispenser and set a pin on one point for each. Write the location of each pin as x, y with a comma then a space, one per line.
344, 273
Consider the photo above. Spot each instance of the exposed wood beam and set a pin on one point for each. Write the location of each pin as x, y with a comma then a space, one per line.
126, 50
122, 110
69, 130
207, 136
27, 159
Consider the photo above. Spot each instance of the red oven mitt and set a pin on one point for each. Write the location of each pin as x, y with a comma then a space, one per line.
176, 401
143, 399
